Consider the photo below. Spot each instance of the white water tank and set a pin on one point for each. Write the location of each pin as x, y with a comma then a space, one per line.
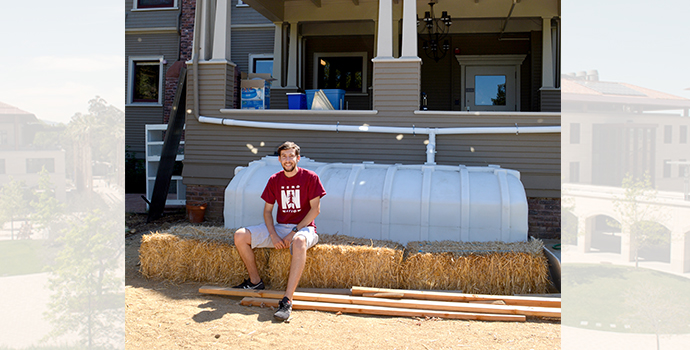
397, 202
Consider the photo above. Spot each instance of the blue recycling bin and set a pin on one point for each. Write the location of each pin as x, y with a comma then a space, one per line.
297, 100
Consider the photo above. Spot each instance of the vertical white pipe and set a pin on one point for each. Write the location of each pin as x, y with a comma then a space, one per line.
431, 148
384, 35
409, 29
278, 54
195, 55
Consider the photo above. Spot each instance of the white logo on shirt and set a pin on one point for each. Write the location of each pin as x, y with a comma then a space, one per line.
289, 198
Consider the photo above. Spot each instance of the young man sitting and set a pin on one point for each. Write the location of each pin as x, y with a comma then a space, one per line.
298, 193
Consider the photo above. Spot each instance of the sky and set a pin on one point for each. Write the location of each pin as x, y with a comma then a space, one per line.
640, 42
57, 56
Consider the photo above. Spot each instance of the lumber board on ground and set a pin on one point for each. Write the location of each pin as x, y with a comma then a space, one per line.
444, 296
385, 295
382, 311
395, 303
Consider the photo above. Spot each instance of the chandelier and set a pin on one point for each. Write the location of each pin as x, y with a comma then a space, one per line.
433, 32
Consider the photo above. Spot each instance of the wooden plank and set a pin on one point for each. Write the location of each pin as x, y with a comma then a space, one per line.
382, 311
444, 296
384, 295
395, 303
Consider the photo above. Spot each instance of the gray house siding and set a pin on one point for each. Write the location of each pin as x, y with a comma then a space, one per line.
246, 15
245, 42
139, 43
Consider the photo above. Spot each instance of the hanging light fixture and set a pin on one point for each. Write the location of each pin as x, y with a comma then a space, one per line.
433, 33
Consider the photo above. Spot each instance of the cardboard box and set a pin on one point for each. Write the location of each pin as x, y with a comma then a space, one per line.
255, 91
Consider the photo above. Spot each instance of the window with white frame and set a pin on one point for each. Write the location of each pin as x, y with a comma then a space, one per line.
155, 4
261, 63
341, 70
145, 81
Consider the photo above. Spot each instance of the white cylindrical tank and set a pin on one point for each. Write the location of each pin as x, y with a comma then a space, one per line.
397, 202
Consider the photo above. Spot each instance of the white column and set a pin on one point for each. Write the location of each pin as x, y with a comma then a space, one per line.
384, 35
278, 54
547, 55
292, 57
221, 31
409, 29
205, 27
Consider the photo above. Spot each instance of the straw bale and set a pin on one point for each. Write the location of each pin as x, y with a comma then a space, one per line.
200, 254
339, 261
208, 254
476, 267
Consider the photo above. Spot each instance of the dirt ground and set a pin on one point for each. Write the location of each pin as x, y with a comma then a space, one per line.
162, 315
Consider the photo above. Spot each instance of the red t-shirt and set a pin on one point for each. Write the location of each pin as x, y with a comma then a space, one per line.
293, 194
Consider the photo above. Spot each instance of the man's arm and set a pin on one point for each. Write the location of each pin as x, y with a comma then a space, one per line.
311, 215
268, 219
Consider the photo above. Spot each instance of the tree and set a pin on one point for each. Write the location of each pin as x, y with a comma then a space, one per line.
13, 205
47, 209
88, 296
639, 215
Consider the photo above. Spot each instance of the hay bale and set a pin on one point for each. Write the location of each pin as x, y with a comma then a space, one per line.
201, 254
341, 262
476, 267
208, 254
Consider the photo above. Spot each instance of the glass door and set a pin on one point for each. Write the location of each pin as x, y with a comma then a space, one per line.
490, 88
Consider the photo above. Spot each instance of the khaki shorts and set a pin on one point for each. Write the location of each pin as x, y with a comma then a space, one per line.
262, 239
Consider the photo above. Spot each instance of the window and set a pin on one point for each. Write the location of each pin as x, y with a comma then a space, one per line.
3, 137
2, 166
145, 80
490, 90
574, 172
261, 63
574, 133
683, 134
155, 4
668, 133
35, 165
667, 168
345, 70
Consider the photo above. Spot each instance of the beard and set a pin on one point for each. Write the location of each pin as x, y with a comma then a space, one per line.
288, 168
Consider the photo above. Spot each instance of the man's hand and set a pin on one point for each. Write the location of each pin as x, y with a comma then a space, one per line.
279, 243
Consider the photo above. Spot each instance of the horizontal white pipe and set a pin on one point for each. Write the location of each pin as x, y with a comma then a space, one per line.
384, 129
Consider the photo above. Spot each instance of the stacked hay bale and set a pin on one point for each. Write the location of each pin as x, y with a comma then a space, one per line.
476, 267
341, 262
208, 254
202, 254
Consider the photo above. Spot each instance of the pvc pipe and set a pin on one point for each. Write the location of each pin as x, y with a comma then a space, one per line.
432, 132
195, 55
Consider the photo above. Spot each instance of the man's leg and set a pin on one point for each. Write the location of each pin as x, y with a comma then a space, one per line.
299, 257
243, 243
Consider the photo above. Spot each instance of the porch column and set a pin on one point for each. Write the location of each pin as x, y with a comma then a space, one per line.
205, 33
384, 34
221, 32
547, 80
409, 29
292, 57
278, 55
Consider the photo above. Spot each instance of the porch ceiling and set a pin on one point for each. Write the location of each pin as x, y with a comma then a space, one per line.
327, 10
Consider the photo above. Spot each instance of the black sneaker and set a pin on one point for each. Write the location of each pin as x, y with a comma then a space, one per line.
284, 309
247, 284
